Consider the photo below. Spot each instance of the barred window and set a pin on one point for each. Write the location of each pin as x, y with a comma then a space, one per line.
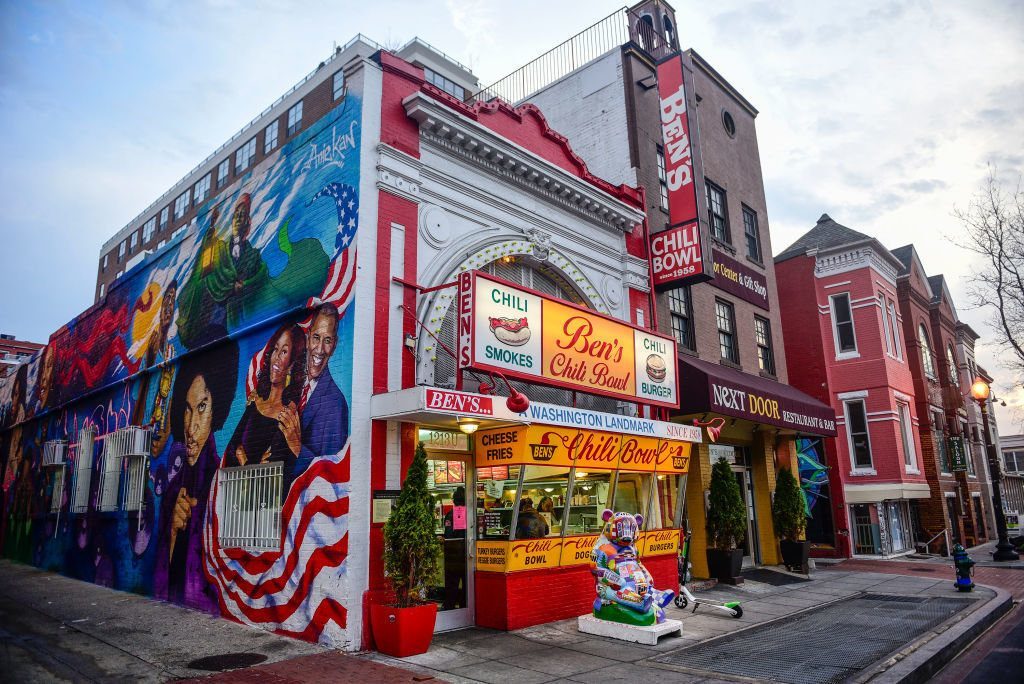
250, 506
83, 470
681, 310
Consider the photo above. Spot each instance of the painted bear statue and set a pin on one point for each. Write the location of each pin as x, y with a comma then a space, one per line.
625, 590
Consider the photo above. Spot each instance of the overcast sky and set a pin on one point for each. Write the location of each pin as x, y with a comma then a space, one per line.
883, 115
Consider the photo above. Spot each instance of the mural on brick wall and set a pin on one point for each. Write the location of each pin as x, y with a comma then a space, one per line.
234, 346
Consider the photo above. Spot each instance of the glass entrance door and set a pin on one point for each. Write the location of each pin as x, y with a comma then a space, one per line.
448, 482
749, 545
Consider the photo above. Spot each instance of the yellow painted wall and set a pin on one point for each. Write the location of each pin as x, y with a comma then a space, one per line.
697, 483
763, 472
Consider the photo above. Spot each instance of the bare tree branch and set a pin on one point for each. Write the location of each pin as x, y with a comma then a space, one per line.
993, 228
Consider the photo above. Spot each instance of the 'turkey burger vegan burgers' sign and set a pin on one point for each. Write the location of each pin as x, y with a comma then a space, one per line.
524, 334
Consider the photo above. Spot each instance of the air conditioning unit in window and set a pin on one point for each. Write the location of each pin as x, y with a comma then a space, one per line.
55, 453
137, 440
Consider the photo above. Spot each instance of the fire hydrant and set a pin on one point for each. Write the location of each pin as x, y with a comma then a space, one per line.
964, 565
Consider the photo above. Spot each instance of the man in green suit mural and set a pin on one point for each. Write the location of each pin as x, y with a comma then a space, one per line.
228, 284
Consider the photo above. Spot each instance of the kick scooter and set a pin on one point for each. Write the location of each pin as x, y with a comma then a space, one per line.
684, 597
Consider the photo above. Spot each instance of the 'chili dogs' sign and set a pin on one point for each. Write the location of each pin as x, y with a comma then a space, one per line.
524, 334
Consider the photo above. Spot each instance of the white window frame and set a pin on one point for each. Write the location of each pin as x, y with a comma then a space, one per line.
121, 249
245, 523
841, 355
105, 259
133, 241
858, 398
885, 324
148, 228
895, 328
907, 437
662, 179
270, 137
927, 355
103, 289
953, 370
202, 189
164, 215
181, 204
244, 155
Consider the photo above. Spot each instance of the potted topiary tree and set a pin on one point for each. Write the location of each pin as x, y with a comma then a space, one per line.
726, 524
789, 514
412, 554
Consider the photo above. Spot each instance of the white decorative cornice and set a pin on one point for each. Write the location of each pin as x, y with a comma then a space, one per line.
851, 259
636, 273
488, 151
398, 173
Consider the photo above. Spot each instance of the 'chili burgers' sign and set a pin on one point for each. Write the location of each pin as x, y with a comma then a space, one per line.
524, 334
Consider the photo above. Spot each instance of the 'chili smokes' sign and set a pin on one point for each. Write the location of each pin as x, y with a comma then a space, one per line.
677, 254
521, 333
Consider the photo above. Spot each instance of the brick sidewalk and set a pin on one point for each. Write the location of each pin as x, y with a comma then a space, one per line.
1012, 580
322, 667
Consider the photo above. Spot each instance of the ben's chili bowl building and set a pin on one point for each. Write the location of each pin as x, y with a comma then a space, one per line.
504, 267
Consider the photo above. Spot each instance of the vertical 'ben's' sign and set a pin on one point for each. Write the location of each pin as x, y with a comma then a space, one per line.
677, 254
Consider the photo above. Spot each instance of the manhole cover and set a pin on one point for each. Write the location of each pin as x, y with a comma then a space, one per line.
227, 661
827, 645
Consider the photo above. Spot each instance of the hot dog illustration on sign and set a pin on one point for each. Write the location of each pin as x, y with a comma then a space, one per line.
625, 589
514, 333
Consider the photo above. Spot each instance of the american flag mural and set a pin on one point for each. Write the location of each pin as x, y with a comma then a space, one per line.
182, 349
295, 591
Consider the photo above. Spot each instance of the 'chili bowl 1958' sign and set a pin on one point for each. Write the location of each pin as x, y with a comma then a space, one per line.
525, 334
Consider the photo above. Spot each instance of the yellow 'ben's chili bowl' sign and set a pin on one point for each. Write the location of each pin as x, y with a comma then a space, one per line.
553, 552
566, 447
507, 328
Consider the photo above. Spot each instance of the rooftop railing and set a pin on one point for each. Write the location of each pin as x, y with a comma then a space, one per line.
617, 29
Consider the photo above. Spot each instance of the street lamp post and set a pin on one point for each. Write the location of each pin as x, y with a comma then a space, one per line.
1004, 549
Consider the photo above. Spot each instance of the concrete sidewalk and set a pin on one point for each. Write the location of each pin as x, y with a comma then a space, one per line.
557, 652
56, 629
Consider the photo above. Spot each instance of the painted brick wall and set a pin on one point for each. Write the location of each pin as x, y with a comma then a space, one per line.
589, 107
210, 343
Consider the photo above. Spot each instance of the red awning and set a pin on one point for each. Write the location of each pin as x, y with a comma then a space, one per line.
714, 388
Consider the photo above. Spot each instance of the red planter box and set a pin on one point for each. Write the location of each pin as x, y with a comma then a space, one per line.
402, 632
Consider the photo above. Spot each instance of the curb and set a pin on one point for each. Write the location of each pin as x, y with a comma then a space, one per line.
922, 659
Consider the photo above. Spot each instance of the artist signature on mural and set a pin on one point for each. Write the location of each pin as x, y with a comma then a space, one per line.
332, 152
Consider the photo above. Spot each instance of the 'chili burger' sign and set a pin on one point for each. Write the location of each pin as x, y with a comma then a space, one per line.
504, 327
